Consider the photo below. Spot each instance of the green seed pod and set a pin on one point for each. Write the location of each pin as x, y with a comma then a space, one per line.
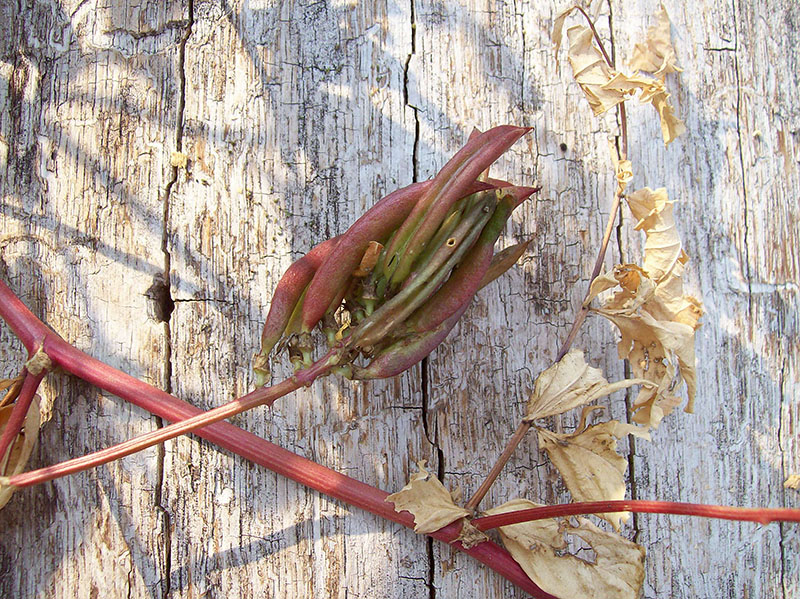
465, 281
448, 186
333, 276
403, 354
426, 278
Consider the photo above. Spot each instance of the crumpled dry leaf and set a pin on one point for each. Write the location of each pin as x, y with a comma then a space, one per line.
589, 463
558, 28
793, 482
426, 498
570, 383
656, 320
558, 22
22, 447
662, 249
618, 570
369, 260
605, 87
653, 91
11, 388
656, 55
591, 71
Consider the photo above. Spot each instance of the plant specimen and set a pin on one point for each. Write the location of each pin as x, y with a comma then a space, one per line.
389, 290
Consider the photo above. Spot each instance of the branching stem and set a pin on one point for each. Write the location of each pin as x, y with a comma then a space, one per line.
35, 335
580, 317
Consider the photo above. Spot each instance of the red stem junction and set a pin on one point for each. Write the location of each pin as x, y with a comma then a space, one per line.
35, 335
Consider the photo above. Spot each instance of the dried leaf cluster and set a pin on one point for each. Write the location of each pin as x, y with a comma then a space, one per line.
605, 87
657, 322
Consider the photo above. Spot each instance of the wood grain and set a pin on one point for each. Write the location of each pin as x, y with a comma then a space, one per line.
295, 117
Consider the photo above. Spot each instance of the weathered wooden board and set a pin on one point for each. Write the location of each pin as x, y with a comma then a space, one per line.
296, 117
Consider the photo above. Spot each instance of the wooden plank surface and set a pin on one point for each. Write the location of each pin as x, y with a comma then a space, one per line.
295, 118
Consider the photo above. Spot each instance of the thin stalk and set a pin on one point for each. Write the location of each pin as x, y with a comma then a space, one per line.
580, 317
29, 386
257, 398
524, 427
511, 446
34, 334
720, 512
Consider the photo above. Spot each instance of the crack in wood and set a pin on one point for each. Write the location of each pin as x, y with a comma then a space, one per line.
167, 298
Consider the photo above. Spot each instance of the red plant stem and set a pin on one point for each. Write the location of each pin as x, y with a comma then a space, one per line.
511, 446
721, 512
34, 334
19, 411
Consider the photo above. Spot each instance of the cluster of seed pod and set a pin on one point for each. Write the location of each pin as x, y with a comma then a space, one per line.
390, 289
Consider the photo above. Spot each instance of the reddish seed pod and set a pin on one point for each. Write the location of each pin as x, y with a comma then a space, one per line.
424, 281
332, 278
378, 223
288, 293
466, 280
504, 260
403, 354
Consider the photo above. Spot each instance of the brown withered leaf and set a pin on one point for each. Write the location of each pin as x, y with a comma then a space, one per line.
558, 28
427, 499
471, 536
657, 54
617, 572
657, 95
653, 91
570, 383
11, 388
369, 260
21, 448
662, 249
605, 86
589, 463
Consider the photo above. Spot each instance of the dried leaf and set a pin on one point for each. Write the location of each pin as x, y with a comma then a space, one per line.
656, 55
558, 27
653, 92
11, 388
793, 482
591, 71
589, 463
656, 320
567, 384
671, 126
22, 447
618, 570
662, 248
652, 347
426, 498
